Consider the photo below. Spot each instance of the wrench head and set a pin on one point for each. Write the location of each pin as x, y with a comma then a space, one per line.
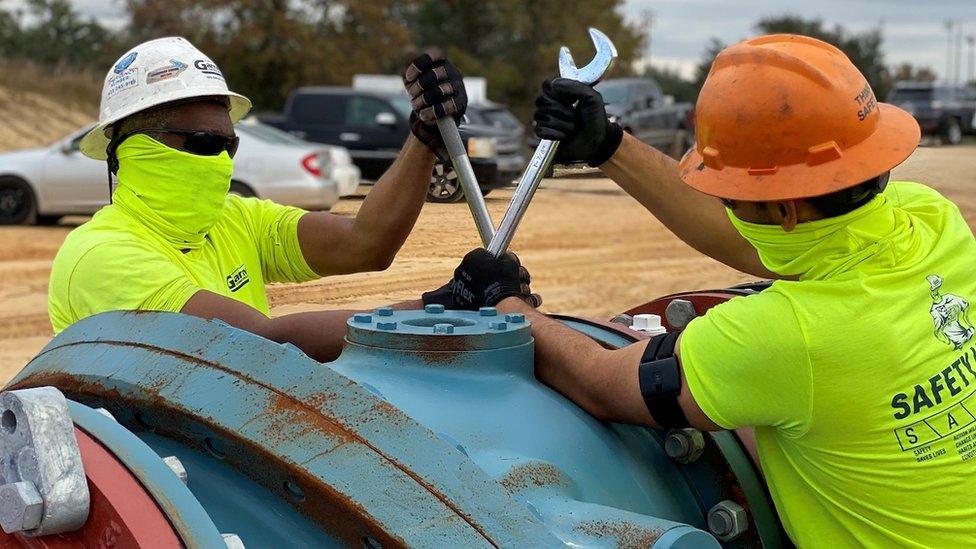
592, 72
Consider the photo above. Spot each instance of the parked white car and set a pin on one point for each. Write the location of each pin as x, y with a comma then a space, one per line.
43, 184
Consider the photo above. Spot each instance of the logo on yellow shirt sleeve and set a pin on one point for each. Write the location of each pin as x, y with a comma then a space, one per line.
238, 279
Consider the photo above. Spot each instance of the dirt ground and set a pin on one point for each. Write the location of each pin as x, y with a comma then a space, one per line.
592, 250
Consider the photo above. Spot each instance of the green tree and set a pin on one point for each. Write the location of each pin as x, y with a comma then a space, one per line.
863, 48
54, 34
266, 48
672, 83
515, 44
907, 71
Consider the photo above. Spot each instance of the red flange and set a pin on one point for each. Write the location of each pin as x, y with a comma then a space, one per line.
122, 514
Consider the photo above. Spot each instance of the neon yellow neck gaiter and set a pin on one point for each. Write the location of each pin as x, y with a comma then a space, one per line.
178, 195
874, 235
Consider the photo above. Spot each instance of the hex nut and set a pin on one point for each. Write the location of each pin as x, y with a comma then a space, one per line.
21, 507
684, 445
727, 520
177, 467
679, 313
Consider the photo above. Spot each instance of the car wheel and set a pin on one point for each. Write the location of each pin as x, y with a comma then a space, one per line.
444, 185
240, 189
951, 132
17, 203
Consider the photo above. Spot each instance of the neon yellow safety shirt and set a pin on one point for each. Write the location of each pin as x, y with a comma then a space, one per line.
859, 377
116, 262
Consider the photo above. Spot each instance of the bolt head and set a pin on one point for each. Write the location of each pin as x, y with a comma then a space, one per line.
515, 318
434, 309
443, 328
727, 520
362, 318
488, 311
500, 326
684, 445
384, 311
679, 313
21, 507
386, 326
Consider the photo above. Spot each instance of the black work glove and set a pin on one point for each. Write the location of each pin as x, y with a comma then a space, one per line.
573, 113
482, 280
436, 89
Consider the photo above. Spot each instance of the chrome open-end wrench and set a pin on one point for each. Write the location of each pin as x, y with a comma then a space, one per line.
465, 174
606, 53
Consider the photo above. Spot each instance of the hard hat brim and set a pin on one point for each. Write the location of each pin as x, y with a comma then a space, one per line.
893, 141
95, 142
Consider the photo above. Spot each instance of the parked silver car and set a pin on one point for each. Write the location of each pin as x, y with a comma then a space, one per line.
41, 185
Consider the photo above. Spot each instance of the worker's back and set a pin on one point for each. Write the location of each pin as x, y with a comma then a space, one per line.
862, 375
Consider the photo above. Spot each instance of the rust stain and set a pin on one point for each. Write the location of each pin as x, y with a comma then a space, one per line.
282, 402
534, 474
628, 536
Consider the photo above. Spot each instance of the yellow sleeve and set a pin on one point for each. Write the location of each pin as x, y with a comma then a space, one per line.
275, 230
746, 364
117, 276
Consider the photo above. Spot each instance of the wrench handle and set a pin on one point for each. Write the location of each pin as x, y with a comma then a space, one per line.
541, 160
465, 173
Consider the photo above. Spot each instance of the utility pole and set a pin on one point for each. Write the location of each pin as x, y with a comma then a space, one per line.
647, 20
971, 40
958, 72
947, 76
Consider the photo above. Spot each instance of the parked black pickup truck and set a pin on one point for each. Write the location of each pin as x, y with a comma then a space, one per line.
373, 126
638, 105
941, 109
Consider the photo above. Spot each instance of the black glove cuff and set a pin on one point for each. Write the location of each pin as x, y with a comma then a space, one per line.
608, 147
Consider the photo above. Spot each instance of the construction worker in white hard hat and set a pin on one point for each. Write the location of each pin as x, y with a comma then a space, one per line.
856, 367
173, 239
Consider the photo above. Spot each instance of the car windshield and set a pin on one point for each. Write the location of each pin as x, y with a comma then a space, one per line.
911, 94
268, 134
613, 93
500, 118
402, 105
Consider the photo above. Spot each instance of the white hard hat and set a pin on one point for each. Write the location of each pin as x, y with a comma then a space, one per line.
154, 73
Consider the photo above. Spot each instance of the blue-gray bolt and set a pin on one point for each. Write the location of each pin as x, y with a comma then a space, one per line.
362, 318
443, 328
434, 308
498, 326
385, 311
386, 326
515, 318
488, 311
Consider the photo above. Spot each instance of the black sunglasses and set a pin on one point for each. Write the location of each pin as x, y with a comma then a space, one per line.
196, 142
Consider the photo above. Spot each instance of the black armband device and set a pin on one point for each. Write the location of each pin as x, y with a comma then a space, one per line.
659, 376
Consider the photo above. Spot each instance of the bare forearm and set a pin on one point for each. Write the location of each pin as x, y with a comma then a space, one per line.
700, 220
390, 210
601, 381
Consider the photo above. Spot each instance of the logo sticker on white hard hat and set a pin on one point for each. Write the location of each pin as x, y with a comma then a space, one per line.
209, 68
169, 71
125, 62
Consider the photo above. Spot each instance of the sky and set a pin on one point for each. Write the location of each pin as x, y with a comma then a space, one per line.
914, 30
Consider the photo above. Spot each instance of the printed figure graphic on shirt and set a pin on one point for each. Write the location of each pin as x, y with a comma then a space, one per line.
950, 315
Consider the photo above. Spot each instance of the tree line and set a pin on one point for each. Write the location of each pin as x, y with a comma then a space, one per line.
266, 48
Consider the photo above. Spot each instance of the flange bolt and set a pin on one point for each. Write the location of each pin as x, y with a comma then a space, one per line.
684, 445
727, 520
362, 318
515, 318
443, 328
434, 308
488, 311
384, 311
679, 313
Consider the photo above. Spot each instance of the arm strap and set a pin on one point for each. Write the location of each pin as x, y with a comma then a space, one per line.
659, 375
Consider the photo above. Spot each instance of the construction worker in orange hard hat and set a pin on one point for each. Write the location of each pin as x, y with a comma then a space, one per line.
856, 367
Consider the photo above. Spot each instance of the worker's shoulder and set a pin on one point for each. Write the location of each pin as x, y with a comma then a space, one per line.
101, 241
771, 310
908, 193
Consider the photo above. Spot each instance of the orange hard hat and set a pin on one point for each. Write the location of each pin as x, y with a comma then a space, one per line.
787, 116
